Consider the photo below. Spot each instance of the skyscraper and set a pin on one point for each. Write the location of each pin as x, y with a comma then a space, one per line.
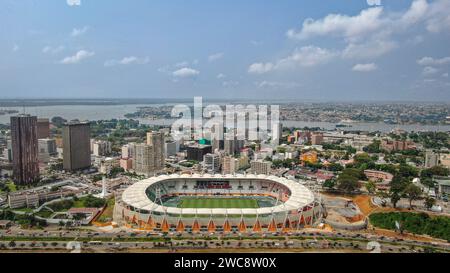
150, 157
24, 143
76, 145
156, 140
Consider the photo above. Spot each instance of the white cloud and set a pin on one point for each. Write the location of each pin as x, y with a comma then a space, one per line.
373, 2
438, 16
221, 76
128, 61
52, 50
306, 56
428, 70
15, 48
74, 2
185, 72
340, 25
368, 50
370, 21
79, 31
78, 57
260, 68
215, 57
371, 33
445, 75
274, 84
432, 61
365, 67
182, 64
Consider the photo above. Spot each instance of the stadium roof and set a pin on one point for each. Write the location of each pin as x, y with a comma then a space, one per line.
136, 195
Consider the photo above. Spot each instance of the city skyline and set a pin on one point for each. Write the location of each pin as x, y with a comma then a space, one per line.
299, 50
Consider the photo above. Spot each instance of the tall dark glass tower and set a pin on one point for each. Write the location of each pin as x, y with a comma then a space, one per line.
76, 146
24, 144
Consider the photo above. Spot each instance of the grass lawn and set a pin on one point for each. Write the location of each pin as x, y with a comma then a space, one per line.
12, 187
45, 213
217, 203
107, 215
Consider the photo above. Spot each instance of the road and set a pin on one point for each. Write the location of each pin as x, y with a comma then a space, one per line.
124, 241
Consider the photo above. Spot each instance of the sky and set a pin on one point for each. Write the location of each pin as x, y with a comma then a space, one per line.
336, 50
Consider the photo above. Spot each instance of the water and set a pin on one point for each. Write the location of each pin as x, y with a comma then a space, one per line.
107, 112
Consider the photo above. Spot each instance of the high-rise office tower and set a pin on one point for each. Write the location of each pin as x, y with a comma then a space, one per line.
143, 161
150, 157
43, 128
76, 146
156, 140
24, 144
277, 132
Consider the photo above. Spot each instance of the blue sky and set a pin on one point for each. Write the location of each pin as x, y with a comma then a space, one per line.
272, 49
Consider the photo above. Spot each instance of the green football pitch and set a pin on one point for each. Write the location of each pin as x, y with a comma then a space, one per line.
218, 203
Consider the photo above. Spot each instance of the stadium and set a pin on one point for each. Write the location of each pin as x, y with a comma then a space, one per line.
217, 203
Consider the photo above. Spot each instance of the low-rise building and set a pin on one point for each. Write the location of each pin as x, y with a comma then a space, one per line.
310, 157
443, 183
126, 164
397, 145
378, 176
5, 224
261, 167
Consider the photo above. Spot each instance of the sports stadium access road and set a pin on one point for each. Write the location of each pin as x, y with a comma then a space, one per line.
127, 239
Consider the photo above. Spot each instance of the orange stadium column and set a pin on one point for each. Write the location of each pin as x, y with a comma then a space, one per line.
272, 226
165, 226
211, 226
302, 220
180, 226
226, 226
149, 224
257, 227
134, 220
242, 226
196, 226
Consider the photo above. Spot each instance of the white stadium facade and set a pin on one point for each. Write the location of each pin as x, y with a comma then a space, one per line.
153, 204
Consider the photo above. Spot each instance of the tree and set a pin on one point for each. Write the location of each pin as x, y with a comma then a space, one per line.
413, 193
408, 171
348, 183
436, 170
395, 197
371, 186
373, 148
330, 183
335, 167
429, 202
